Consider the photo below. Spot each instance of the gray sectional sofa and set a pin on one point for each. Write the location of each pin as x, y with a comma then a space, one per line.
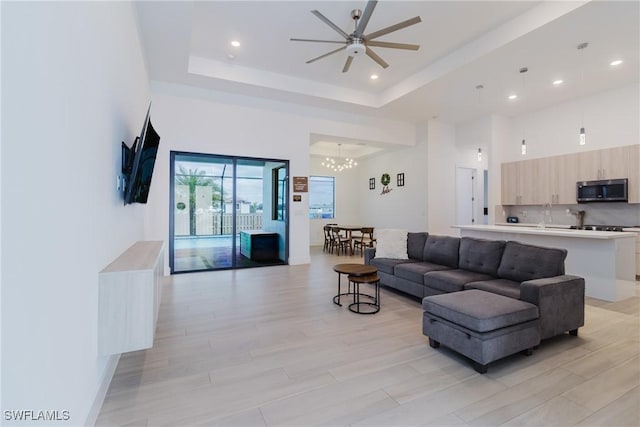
533, 274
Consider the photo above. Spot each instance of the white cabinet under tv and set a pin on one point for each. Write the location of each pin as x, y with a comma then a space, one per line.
129, 298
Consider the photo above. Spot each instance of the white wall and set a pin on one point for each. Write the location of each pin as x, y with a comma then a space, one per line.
403, 207
74, 86
441, 174
348, 186
469, 137
611, 120
499, 139
200, 121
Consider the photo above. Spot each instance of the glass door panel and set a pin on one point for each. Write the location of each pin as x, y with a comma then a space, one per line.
202, 230
227, 212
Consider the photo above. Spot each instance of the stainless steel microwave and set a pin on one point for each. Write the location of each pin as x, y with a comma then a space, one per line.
609, 190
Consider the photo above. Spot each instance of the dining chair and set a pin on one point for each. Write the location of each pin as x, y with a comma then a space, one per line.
366, 240
339, 241
327, 238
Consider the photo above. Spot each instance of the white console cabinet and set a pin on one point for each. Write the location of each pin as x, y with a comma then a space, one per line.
129, 297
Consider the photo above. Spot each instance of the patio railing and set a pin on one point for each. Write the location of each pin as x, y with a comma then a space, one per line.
216, 224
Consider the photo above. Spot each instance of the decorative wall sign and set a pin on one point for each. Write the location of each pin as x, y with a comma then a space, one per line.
385, 179
400, 180
297, 197
300, 184
372, 183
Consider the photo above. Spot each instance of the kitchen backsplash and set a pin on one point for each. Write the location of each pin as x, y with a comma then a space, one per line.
595, 214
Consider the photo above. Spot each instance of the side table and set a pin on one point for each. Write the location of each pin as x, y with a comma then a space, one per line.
357, 304
354, 270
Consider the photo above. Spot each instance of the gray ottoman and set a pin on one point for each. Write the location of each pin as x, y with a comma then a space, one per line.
481, 325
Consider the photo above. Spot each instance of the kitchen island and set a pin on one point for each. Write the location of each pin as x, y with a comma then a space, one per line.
605, 259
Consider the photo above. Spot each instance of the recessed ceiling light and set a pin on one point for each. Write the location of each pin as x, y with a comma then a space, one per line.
616, 62
514, 96
374, 77
235, 43
558, 82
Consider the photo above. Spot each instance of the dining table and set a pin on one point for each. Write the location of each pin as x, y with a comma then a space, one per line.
349, 229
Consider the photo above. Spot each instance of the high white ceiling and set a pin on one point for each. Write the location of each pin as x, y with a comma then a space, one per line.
463, 44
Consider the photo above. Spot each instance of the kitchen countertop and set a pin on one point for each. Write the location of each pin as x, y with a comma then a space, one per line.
555, 231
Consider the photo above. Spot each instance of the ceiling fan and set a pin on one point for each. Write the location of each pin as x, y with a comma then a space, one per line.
358, 43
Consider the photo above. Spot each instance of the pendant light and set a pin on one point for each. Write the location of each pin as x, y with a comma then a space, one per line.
523, 147
338, 164
479, 89
582, 135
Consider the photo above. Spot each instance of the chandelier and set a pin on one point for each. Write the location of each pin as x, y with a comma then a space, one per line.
339, 163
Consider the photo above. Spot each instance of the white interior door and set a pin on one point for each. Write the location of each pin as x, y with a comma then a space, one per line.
465, 196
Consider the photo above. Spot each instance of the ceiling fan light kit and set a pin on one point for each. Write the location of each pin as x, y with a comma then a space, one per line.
356, 48
357, 43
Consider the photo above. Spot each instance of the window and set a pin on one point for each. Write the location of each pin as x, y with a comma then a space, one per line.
322, 191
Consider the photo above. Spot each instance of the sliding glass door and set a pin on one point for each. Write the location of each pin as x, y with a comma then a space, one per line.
227, 212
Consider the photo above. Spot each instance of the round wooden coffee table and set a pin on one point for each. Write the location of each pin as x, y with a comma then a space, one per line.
354, 270
373, 305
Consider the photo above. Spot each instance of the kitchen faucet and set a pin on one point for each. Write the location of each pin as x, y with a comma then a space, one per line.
579, 217
546, 211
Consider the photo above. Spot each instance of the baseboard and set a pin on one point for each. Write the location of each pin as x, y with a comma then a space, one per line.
110, 369
299, 260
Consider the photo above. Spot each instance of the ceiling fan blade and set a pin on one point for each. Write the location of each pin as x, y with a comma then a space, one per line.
317, 41
396, 27
347, 64
371, 54
327, 54
364, 19
405, 46
331, 24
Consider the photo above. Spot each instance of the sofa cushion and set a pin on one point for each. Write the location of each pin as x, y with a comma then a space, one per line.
391, 243
522, 262
387, 264
442, 250
480, 255
415, 271
505, 287
415, 244
480, 311
452, 280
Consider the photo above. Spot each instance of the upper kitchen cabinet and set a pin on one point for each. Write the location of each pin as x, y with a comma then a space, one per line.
525, 183
633, 162
610, 163
563, 175
510, 194
553, 179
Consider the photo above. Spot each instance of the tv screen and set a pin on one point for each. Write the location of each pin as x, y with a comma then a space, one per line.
142, 158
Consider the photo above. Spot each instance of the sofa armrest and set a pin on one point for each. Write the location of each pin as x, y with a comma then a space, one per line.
560, 301
369, 254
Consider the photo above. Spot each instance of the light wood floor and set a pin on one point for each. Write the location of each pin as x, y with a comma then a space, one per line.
267, 346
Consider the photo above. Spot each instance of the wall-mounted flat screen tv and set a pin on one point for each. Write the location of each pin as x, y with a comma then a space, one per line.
138, 162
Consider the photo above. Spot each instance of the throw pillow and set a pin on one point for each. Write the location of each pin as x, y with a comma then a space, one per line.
391, 243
